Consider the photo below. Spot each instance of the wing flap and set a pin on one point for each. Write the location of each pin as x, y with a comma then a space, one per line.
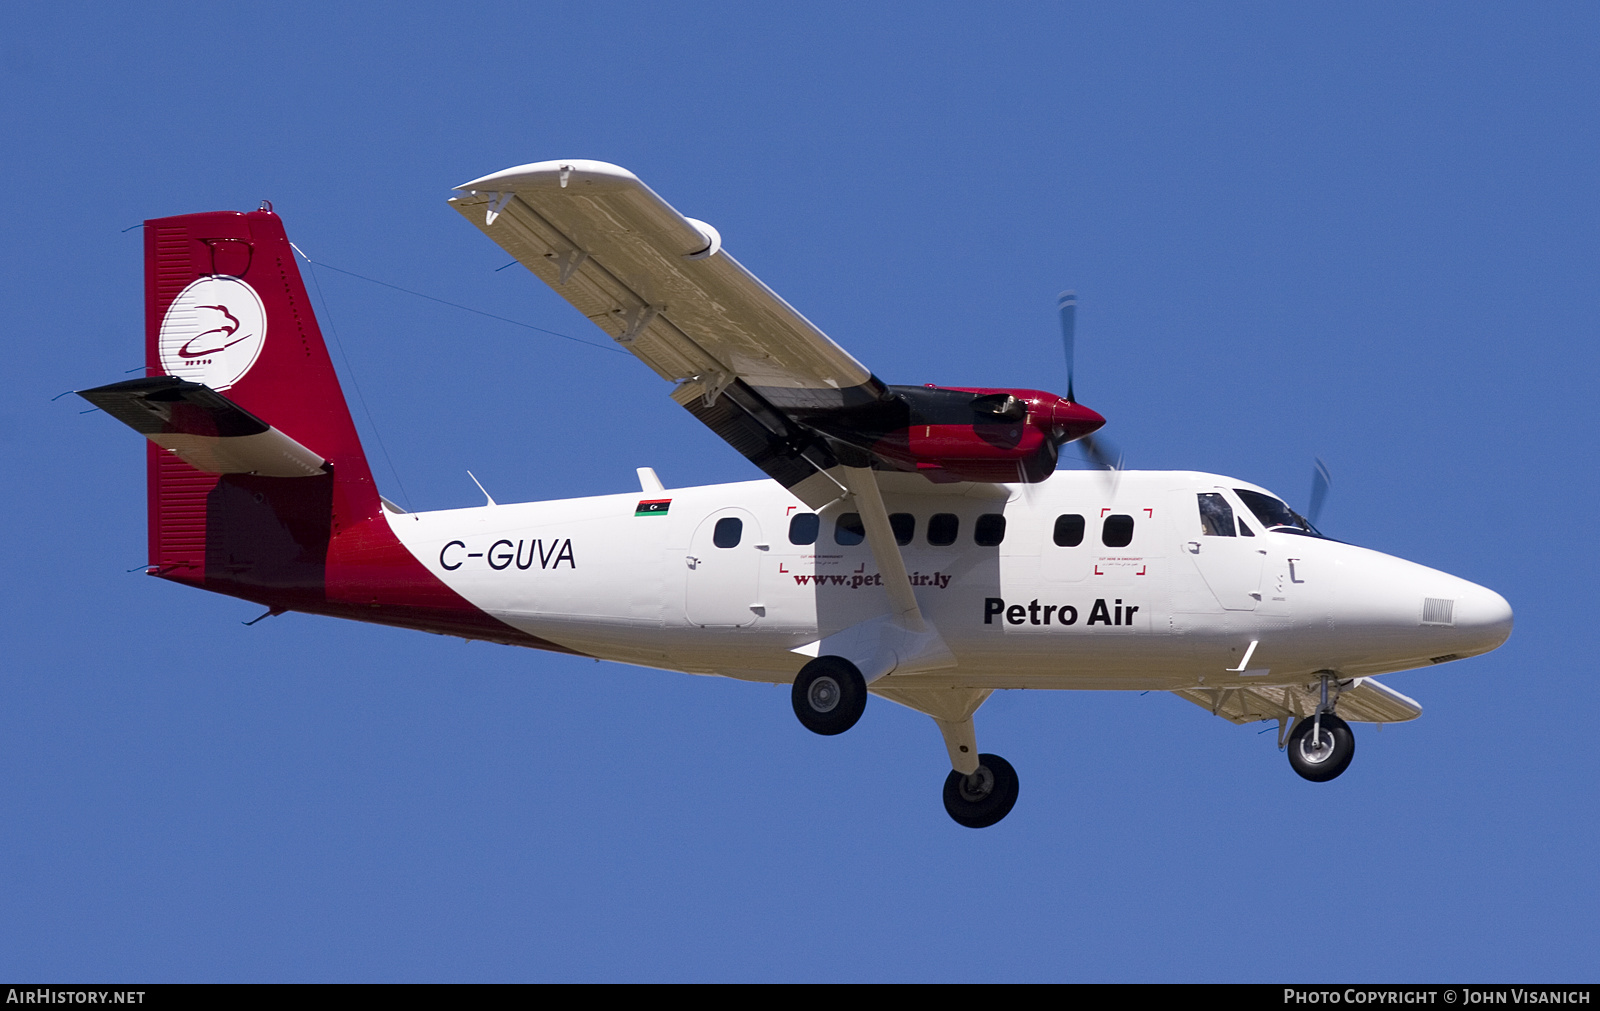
1363, 700
594, 290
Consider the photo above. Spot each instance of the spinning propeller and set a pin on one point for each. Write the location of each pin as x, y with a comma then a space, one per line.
1321, 481
1096, 449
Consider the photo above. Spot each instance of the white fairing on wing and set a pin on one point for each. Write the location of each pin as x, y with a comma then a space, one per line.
659, 589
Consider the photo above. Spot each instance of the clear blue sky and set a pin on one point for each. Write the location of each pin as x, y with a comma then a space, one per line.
1361, 231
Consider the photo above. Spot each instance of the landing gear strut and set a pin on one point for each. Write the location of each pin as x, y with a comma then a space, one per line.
1321, 745
829, 695
984, 797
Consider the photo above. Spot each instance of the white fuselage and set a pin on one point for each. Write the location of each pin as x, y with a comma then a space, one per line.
1173, 608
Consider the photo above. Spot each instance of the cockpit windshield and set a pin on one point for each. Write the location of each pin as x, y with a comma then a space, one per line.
1275, 515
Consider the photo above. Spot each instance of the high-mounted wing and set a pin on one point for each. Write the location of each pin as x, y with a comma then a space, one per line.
747, 364
660, 284
757, 372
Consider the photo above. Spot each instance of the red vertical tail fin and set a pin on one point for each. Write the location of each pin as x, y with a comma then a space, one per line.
225, 306
258, 485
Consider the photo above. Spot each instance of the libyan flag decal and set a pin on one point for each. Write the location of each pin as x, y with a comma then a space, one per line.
653, 507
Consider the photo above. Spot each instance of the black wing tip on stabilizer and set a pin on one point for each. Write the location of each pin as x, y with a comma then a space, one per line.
203, 428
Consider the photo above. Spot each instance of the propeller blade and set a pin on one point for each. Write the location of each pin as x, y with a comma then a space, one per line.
1067, 305
1321, 481
1106, 458
1095, 449
1100, 452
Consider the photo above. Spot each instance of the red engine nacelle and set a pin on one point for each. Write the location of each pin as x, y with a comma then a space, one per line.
983, 434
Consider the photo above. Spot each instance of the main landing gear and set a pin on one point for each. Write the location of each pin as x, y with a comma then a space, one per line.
984, 797
1321, 745
829, 696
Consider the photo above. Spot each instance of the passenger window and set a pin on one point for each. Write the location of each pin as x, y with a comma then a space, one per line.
1244, 529
990, 530
942, 529
1216, 515
728, 531
1117, 531
848, 530
803, 528
1069, 531
904, 526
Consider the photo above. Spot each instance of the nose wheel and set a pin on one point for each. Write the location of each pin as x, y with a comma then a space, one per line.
829, 695
1321, 746
980, 799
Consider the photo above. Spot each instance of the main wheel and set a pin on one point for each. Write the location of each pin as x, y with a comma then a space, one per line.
983, 798
1320, 761
829, 695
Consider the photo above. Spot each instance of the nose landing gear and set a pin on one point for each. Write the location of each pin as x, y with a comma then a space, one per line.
1321, 745
1321, 753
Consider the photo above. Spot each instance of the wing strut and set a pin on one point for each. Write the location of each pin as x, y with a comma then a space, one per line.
885, 551
901, 641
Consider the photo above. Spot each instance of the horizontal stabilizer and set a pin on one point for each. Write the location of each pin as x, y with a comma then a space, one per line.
203, 428
1361, 701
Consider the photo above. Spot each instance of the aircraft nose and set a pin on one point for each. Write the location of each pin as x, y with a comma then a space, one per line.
1405, 611
1482, 617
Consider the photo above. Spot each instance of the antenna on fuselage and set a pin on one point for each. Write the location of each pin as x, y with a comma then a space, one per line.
482, 488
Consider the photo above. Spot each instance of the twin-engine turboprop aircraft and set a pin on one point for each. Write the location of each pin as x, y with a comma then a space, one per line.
910, 542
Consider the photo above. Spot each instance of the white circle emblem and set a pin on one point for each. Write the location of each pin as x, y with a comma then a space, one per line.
213, 331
